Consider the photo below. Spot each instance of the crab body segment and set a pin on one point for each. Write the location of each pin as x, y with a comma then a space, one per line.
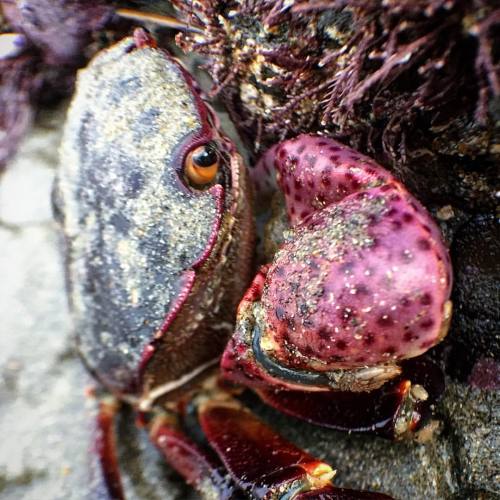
157, 260
146, 253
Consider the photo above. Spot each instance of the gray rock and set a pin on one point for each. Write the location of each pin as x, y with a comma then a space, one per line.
25, 184
473, 418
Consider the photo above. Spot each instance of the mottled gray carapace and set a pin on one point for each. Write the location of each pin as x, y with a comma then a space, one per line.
133, 227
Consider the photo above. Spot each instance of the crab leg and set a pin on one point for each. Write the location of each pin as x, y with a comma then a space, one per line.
108, 482
262, 462
199, 467
245, 456
158, 19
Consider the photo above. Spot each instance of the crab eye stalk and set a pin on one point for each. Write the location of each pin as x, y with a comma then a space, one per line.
202, 164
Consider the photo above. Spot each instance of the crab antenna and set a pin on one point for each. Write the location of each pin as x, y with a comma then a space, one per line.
159, 19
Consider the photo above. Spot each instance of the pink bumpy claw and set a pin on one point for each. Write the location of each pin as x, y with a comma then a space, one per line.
362, 283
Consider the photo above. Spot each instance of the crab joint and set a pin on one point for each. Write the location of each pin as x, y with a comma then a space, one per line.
147, 401
320, 475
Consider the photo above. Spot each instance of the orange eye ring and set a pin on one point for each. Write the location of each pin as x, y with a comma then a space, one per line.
202, 164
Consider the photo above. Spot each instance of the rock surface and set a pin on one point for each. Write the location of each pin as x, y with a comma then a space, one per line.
45, 420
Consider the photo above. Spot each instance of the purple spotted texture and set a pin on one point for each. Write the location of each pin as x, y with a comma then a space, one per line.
364, 279
314, 172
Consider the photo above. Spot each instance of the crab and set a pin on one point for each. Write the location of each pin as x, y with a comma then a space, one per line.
155, 209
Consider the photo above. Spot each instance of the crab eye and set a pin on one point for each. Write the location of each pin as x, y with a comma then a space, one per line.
202, 164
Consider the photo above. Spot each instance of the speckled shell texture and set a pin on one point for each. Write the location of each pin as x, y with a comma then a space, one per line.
365, 277
138, 239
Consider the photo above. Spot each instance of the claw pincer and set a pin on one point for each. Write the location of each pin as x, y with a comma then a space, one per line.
361, 283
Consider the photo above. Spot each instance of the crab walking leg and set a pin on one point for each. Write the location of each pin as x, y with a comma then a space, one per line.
262, 462
200, 468
158, 19
106, 481
249, 459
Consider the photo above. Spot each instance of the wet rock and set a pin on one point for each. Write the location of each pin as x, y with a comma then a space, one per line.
485, 374
473, 421
43, 412
476, 322
25, 185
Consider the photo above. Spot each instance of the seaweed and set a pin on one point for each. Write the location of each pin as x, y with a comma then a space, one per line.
414, 83
57, 38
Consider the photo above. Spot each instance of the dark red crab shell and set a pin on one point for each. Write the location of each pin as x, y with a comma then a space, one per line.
145, 251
